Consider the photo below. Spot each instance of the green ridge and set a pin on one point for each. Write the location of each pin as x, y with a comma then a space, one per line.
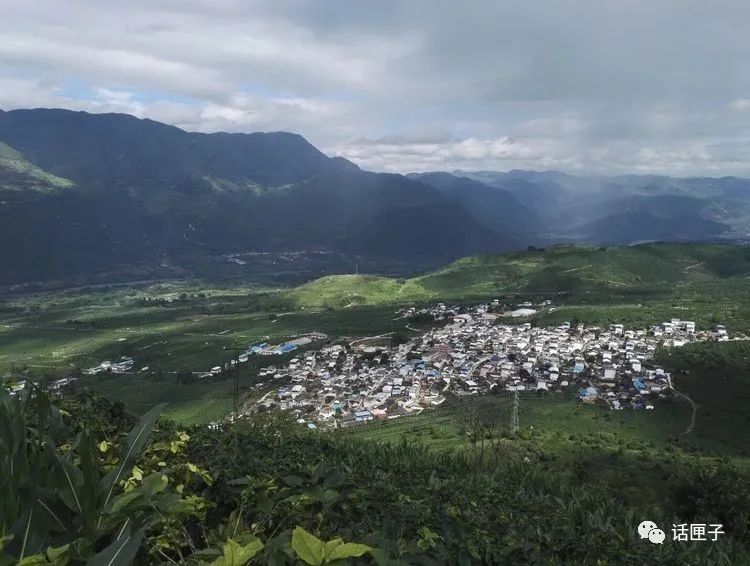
574, 270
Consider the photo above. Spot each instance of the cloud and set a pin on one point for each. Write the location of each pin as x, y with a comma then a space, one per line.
414, 85
740, 104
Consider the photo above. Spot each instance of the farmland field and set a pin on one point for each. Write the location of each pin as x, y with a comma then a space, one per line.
167, 328
554, 416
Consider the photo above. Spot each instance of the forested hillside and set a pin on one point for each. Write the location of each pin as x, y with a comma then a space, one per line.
144, 199
266, 491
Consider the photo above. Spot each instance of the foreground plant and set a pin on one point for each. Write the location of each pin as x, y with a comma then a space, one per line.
70, 499
59, 501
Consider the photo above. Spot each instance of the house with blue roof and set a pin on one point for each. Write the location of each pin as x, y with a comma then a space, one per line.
589, 393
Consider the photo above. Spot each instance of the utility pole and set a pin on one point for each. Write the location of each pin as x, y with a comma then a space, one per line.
514, 415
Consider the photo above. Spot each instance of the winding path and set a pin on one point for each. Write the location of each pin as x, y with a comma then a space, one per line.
691, 426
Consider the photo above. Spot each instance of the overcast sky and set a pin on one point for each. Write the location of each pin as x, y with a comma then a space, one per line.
609, 86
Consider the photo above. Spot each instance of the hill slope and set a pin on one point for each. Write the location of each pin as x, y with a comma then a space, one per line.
109, 197
562, 269
18, 174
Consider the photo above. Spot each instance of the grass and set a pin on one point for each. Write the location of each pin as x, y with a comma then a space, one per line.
48, 334
717, 378
345, 291
194, 403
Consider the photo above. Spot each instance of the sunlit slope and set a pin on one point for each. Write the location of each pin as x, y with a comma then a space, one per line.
573, 269
352, 290
16, 173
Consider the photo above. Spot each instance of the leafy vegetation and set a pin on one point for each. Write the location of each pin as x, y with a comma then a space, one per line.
461, 489
82, 503
452, 485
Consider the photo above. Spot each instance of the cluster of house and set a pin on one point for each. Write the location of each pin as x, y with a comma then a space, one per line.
266, 349
476, 353
54, 387
345, 385
124, 365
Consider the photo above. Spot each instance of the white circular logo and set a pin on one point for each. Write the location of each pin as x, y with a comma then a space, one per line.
645, 527
656, 536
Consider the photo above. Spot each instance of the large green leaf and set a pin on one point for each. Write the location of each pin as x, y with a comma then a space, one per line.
133, 445
309, 548
120, 553
236, 554
90, 470
347, 550
71, 483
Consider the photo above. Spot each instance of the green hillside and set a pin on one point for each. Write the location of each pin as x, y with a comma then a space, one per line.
353, 290
579, 270
17, 173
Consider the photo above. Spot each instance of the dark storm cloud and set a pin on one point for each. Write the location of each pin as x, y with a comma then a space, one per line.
615, 86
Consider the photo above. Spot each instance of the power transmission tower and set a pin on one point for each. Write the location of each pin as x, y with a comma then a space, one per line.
514, 415
236, 388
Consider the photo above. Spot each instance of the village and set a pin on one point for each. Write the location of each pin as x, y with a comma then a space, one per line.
478, 352
463, 351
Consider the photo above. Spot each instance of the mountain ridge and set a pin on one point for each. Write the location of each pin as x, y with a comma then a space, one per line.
150, 194
145, 197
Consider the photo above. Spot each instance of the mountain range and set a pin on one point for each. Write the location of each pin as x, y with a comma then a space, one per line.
107, 197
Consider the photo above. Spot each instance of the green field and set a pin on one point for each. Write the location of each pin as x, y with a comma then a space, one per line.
168, 328
553, 417
44, 333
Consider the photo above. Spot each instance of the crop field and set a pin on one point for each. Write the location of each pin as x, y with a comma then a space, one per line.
48, 335
558, 417
168, 328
